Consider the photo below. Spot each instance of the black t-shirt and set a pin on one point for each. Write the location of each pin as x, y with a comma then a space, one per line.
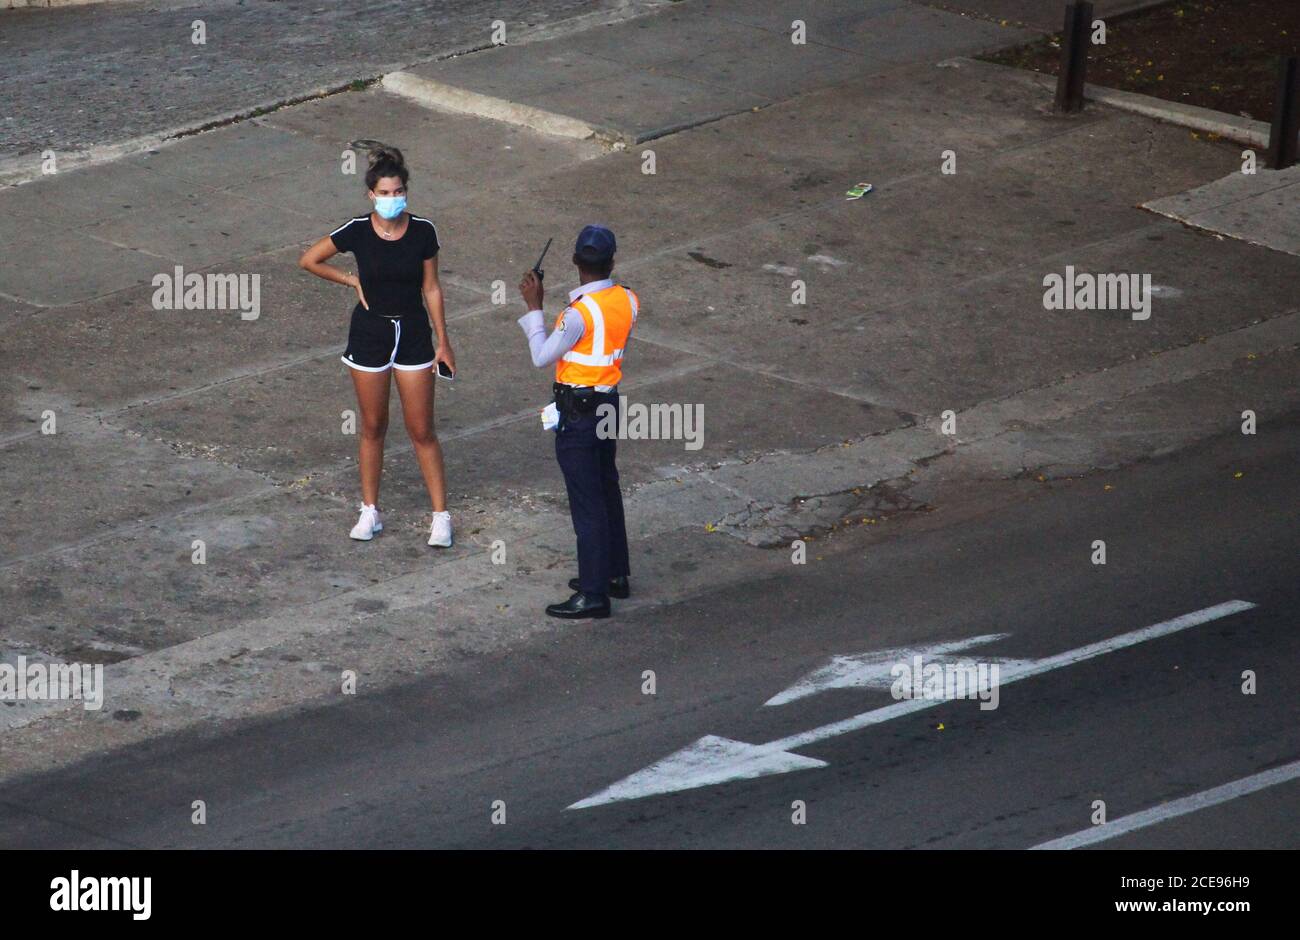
391, 272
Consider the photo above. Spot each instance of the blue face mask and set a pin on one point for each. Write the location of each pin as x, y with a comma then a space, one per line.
390, 207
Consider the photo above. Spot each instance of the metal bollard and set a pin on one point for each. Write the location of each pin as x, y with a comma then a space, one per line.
1074, 56
1282, 145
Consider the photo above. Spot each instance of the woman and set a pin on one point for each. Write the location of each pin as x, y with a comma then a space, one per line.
397, 262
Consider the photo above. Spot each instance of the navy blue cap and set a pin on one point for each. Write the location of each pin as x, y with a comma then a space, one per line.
595, 244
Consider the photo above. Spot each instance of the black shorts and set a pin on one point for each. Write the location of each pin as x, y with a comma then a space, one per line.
377, 343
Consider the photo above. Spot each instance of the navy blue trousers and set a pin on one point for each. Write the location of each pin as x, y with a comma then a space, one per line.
595, 501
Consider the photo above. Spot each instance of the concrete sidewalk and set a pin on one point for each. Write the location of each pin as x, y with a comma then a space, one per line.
924, 297
1262, 208
693, 63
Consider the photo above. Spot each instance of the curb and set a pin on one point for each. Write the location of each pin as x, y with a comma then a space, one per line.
1234, 127
25, 168
49, 4
1231, 126
440, 96
443, 97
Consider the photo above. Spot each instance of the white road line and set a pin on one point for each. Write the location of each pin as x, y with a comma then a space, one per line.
875, 670
1181, 807
1015, 674
712, 760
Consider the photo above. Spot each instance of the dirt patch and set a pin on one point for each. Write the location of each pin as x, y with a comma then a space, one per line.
1219, 54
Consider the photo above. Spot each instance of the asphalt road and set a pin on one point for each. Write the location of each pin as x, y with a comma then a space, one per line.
554, 722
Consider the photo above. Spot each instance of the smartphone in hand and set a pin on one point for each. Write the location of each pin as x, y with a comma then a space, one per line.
444, 372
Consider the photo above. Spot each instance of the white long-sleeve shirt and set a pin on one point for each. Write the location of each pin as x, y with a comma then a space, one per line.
547, 350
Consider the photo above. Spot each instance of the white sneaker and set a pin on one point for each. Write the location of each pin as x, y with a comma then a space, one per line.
369, 523
440, 531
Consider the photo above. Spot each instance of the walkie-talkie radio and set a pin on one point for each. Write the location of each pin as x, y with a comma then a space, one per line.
537, 268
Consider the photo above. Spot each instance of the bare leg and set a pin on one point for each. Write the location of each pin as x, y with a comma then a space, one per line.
372, 397
416, 392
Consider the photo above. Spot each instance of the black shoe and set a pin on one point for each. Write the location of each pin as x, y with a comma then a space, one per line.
618, 587
581, 606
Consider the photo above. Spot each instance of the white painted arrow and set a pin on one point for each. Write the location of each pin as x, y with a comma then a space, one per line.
713, 760
875, 670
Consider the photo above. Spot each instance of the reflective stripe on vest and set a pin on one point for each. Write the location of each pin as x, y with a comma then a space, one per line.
596, 359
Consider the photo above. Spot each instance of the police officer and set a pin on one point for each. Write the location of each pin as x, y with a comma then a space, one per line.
587, 347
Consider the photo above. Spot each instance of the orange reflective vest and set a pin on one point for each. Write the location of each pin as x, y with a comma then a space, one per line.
597, 358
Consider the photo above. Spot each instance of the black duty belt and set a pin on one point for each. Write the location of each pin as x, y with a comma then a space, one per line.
577, 400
